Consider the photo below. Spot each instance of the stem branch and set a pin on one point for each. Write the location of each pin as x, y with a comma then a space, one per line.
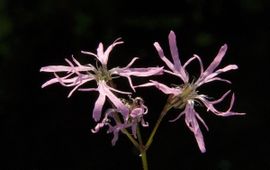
166, 108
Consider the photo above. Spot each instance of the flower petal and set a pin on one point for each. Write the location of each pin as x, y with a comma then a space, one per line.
109, 49
225, 69
89, 53
118, 91
174, 51
105, 120
131, 62
144, 124
136, 112
58, 80
116, 101
208, 76
99, 104
191, 122
115, 135
100, 54
100, 125
138, 72
199, 117
165, 89
176, 67
180, 115
87, 89
162, 56
149, 84
175, 56
66, 81
216, 79
210, 106
62, 68
80, 84
191, 59
134, 129
56, 68
200, 141
217, 60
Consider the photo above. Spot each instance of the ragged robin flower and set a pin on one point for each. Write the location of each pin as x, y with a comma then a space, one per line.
186, 95
116, 123
78, 75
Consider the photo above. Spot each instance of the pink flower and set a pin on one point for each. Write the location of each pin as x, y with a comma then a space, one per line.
116, 123
185, 96
77, 75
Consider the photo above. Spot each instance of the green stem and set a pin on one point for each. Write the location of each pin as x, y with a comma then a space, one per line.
133, 141
142, 150
166, 108
144, 160
139, 135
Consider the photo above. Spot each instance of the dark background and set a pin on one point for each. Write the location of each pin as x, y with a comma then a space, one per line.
42, 129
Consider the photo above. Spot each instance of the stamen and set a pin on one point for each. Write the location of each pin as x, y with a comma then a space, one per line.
188, 93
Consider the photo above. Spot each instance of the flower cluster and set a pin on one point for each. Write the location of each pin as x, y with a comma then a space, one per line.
78, 75
126, 113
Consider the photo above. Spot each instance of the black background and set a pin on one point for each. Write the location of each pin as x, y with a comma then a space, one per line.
42, 129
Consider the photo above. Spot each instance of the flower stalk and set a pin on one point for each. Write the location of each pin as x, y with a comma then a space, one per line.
142, 150
166, 108
132, 140
144, 160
